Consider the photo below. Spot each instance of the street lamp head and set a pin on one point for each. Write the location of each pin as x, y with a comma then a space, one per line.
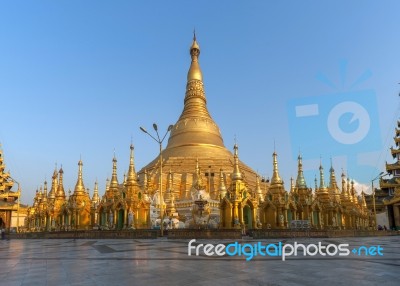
155, 127
144, 130
170, 127
381, 173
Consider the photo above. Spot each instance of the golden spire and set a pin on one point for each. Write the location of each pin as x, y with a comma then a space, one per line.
96, 198
198, 178
60, 187
344, 189
322, 186
107, 185
300, 181
363, 202
145, 183
197, 167
348, 187
114, 179
332, 177
194, 70
332, 180
131, 179
316, 183
236, 174
222, 187
258, 189
353, 190
292, 187
45, 191
79, 187
276, 179
169, 187
53, 190
195, 125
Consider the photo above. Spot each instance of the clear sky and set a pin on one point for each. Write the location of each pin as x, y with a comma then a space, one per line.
78, 78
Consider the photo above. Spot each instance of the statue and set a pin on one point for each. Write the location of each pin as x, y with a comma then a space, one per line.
111, 219
236, 223
282, 219
258, 223
334, 221
130, 219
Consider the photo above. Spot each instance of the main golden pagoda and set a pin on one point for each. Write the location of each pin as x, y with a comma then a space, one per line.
195, 139
203, 185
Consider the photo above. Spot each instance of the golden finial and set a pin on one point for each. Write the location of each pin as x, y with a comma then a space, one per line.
236, 175
222, 187
291, 184
114, 179
316, 182
79, 187
60, 186
276, 179
197, 166
170, 180
131, 179
321, 176
332, 177
194, 70
145, 183
258, 188
300, 181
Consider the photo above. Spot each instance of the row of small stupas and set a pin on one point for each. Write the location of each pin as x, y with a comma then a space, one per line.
205, 186
134, 203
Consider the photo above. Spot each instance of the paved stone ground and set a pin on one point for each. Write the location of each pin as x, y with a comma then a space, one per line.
166, 262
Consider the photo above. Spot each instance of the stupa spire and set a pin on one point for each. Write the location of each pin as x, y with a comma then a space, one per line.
131, 178
194, 70
60, 186
300, 181
276, 179
321, 177
195, 125
79, 187
95, 197
54, 182
258, 189
236, 174
222, 187
114, 178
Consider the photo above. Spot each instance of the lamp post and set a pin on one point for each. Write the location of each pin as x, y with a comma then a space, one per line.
159, 141
373, 194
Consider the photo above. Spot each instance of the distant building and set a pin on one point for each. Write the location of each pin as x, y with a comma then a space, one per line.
12, 214
391, 187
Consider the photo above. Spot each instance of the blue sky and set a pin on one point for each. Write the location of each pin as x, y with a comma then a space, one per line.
78, 78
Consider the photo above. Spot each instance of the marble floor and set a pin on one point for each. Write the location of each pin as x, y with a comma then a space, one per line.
166, 262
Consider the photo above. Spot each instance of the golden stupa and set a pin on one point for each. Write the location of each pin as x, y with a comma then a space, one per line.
203, 185
195, 139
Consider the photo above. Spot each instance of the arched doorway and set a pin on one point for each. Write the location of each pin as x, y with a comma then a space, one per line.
120, 221
248, 217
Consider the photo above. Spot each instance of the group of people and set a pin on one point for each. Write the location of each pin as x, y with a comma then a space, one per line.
382, 227
3, 233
